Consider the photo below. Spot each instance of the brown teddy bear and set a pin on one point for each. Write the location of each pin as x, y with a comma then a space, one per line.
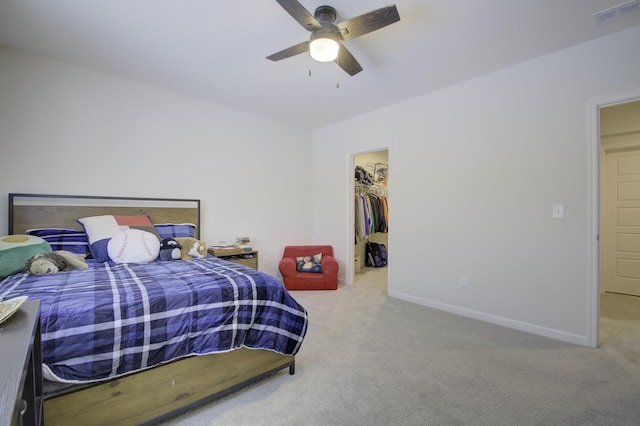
191, 247
55, 261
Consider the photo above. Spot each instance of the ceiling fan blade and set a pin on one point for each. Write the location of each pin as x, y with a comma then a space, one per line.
290, 51
347, 61
368, 22
300, 14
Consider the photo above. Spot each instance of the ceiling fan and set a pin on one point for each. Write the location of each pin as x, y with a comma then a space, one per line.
326, 37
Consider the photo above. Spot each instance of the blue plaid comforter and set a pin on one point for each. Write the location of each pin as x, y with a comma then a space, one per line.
113, 319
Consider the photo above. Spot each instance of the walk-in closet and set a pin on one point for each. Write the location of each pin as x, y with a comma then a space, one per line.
371, 214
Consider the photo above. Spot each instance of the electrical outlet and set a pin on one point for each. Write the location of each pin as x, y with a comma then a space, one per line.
463, 280
558, 211
265, 261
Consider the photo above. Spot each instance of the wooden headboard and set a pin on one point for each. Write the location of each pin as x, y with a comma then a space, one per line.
27, 211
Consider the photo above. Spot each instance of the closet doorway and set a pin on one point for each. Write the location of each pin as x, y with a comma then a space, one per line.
370, 199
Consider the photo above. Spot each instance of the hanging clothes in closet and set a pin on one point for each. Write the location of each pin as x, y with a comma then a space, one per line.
371, 215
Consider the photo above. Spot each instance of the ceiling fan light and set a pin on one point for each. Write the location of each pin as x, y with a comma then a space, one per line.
324, 47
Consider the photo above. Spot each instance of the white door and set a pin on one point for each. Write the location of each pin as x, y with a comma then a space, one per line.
621, 223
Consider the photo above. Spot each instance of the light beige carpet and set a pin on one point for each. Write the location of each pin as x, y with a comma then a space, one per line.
373, 360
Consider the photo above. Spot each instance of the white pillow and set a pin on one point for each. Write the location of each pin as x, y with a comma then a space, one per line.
133, 246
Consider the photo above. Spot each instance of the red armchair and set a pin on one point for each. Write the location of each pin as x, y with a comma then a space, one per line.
294, 280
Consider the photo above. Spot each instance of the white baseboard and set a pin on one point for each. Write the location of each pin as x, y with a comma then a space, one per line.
494, 319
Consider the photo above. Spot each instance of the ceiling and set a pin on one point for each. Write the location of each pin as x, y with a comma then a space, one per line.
216, 50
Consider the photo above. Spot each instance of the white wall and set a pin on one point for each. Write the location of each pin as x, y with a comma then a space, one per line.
68, 130
476, 168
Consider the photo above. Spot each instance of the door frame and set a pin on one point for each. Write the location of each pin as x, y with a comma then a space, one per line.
593, 214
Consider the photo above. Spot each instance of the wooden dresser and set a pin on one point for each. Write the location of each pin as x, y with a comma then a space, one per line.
21, 368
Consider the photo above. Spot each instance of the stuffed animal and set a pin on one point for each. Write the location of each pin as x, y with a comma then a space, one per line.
55, 261
170, 249
191, 247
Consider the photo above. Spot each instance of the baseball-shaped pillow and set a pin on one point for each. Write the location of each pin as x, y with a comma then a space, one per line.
133, 246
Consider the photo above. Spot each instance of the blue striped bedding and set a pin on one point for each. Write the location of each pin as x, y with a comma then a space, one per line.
113, 319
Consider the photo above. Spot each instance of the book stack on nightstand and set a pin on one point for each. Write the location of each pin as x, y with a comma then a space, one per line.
243, 243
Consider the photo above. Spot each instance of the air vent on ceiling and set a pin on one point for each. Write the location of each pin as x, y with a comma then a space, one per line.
616, 12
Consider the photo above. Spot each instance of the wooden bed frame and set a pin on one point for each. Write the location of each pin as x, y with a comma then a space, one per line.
155, 394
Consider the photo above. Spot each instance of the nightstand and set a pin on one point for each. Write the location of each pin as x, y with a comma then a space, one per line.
247, 258
21, 368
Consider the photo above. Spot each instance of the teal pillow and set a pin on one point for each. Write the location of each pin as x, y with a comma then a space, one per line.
15, 250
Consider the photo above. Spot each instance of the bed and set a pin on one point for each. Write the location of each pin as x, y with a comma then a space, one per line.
165, 335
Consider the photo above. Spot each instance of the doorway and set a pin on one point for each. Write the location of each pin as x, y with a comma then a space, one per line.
370, 190
619, 223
